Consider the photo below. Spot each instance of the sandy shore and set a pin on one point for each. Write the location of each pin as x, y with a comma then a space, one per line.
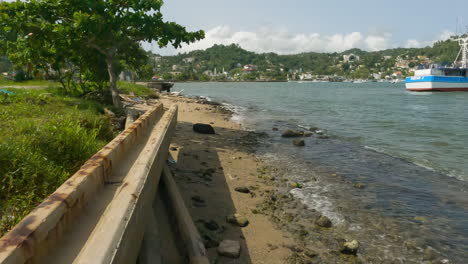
208, 168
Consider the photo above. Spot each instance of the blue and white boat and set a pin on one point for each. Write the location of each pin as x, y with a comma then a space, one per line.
443, 78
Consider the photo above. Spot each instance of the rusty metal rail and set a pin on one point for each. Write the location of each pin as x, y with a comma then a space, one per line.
112, 209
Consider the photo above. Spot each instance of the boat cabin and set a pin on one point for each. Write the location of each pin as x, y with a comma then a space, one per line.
456, 72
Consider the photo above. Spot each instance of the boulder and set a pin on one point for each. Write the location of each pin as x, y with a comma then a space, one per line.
323, 221
242, 189
204, 129
350, 248
229, 248
292, 133
298, 142
274, 129
237, 219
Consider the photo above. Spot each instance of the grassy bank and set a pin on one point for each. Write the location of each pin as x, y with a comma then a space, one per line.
44, 138
4, 82
135, 89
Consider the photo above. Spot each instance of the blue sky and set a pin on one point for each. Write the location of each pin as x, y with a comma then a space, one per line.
324, 26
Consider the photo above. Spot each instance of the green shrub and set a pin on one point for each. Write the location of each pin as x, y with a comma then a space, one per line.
44, 138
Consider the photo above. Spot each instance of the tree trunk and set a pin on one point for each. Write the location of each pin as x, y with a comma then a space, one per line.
113, 82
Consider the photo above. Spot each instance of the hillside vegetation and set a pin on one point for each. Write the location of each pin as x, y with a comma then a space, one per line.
201, 64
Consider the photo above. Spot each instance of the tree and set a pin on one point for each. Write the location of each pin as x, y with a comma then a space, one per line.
112, 28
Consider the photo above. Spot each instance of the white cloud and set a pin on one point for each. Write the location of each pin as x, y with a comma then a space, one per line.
414, 43
283, 42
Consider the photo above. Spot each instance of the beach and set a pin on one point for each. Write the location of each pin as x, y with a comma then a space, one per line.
208, 168
372, 198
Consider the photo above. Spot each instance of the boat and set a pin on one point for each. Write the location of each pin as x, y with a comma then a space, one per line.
443, 79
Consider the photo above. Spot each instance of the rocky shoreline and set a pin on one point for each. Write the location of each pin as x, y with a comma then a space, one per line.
307, 236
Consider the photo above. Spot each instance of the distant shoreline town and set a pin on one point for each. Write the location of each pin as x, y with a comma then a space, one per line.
232, 63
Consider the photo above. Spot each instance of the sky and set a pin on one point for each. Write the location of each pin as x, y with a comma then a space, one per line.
295, 26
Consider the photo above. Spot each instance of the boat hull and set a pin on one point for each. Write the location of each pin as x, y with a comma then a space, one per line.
436, 83
441, 87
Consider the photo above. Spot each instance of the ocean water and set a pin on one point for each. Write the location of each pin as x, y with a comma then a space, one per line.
410, 149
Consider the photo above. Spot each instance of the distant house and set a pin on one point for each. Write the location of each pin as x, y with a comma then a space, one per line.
350, 57
397, 74
306, 76
377, 76
422, 58
387, 57
249, 68
188, 60
403, 64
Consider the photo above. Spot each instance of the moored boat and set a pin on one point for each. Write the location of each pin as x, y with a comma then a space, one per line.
442, 78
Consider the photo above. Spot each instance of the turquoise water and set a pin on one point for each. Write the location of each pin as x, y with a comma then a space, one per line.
430, 129
410, 149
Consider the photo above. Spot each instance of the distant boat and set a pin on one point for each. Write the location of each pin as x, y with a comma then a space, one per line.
442, 78
359, 81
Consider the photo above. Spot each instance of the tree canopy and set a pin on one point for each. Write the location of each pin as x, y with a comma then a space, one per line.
85, 33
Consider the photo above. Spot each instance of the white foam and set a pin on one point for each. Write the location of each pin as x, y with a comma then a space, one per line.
313, 197
237, 112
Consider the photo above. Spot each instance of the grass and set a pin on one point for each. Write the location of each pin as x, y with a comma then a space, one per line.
4, 82
136, 89
44, 139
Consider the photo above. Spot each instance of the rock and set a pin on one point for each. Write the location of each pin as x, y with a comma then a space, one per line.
359, 185
209, 242
203, 129
429, 254
295, 185
108, 112
350, 248
275, 129
298, 142
313, 129
420, 219
310, 254
198, 199
319, 132
323, 221
242, 189
173, 148
308, 134
292, 133
211, 225
237, 219
229, 248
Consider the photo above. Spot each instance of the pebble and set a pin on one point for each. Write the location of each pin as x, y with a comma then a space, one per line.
242, 189
211, 225
323, 221
298, 142
229, 248
359, 185
350, 248
237, 219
